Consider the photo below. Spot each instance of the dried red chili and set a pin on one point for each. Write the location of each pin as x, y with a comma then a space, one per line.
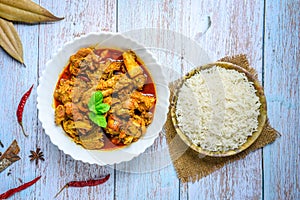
11, 192
21, 108
84, 183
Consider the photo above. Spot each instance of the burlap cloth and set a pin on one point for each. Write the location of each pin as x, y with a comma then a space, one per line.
192, 167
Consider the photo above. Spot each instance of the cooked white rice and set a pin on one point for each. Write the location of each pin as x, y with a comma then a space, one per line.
218, 109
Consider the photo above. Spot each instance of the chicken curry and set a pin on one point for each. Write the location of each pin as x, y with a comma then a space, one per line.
104, 98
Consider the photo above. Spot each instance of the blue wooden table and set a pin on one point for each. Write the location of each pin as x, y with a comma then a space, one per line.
267, 31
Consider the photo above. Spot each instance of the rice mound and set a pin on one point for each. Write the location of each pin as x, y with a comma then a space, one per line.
218, 109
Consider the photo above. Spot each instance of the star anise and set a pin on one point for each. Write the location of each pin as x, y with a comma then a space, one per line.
36, 155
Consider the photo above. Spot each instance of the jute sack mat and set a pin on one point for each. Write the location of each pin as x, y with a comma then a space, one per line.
189, 165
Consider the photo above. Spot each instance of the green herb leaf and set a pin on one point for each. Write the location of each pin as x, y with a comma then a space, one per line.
96, 98
102, 108
93, 108
97, 109
98, 119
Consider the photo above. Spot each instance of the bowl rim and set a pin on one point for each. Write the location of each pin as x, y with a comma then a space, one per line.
161, 87
262, 118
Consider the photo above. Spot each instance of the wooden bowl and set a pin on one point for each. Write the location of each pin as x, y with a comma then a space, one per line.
261, 118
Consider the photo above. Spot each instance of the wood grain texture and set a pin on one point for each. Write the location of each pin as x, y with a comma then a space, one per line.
81, 17
15, 81
236, 27
282, 76
160, 181
267, 31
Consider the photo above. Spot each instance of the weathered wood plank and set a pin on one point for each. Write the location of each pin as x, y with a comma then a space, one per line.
81, 17
161, 182
15, 81
178, 21
281, 66
236, 27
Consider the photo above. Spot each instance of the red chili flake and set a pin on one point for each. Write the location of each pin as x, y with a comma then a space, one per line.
84, 183
13, 191
21, 108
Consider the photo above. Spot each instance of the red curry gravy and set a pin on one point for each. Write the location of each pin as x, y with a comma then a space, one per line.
148, 88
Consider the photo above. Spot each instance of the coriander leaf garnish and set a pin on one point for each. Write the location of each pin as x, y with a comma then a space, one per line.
98, 109
102, 108
100, 120
97, 97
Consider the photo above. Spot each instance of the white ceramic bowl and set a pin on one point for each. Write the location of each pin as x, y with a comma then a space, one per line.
48, 82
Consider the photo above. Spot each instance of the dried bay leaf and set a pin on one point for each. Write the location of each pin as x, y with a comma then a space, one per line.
10, 40
25, 11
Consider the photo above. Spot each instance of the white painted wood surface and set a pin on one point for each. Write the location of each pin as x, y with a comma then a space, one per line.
281, 82
267, 31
